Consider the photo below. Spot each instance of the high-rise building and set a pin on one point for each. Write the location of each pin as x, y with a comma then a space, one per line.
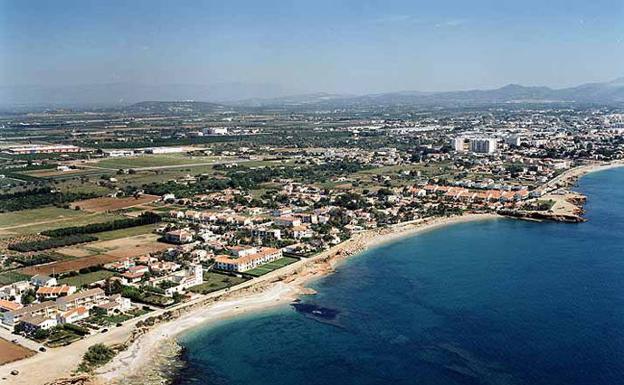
483, 145
459, 144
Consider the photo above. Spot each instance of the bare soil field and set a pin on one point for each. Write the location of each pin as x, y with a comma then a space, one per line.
112, 204
101, 252
10, 352
71, 265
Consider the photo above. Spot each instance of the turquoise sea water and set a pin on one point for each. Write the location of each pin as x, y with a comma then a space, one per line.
492, 302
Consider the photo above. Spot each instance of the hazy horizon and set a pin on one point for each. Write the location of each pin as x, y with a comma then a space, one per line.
351, 47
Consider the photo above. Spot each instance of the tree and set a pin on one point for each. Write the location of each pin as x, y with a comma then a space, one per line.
28, 297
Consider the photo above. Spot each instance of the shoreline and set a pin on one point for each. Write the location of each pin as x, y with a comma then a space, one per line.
57, 366
572, 175
132, 362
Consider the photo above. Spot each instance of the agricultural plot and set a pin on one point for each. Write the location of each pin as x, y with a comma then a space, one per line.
47, 218
10, 352
121, 247
53, 174
128, 232
9, 277
145, 161
100, 253
86, 279
105, 204
69, 265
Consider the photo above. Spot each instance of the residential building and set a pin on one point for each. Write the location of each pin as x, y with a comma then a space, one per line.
43, 280
6, 306
247, 261
179, 236
44, 309
54, 292
71, 316
483, 145
86, 298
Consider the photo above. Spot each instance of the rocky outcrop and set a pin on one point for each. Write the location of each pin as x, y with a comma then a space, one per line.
543, 215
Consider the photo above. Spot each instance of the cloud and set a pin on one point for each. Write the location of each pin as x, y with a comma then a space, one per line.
451, 23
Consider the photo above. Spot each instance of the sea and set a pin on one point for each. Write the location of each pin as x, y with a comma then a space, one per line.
499, 301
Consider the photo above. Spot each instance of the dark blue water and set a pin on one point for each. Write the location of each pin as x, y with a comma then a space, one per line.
493, 302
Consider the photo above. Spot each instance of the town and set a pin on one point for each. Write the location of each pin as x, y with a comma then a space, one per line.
115, 217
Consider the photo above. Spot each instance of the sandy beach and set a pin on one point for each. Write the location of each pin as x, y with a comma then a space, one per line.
275, 288
134, 360
573, 174
279, 287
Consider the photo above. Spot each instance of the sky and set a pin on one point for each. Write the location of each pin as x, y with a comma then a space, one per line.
348, 47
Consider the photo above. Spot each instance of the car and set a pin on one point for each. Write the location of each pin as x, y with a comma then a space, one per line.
14, 340
119, 324
42, 349
104, 330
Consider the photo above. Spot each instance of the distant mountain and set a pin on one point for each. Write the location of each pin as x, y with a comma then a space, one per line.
609, 92
266, 95
313, 98
121, 94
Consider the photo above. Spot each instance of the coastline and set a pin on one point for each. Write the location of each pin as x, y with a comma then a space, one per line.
57, 365
572, 175
133, 362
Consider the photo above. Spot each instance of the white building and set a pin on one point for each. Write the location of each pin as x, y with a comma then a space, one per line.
514, 140
164, 150
459, 144
40, 280
215, 131
247, 261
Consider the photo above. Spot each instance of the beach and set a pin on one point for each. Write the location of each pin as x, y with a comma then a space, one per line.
291, 284
279, 287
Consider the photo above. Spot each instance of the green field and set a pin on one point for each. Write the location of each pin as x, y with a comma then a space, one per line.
47, 218
216, 281
127, 232
10, 277
24, 217
53, 175
271, 266
86, 279
153, 161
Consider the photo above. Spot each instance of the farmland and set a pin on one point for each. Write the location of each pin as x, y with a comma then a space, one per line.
10, 352
47, 218
9, 277
129, 232
146, 161
54, 174
104, 204
99, 253
121, 247
86, 279
69, 265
